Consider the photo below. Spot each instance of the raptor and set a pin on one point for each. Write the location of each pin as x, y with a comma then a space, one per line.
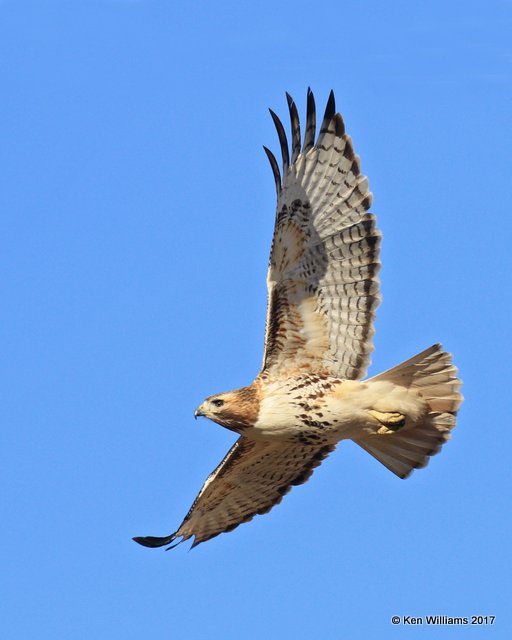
323, 291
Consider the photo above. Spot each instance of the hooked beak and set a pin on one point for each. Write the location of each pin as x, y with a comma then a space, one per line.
198, 412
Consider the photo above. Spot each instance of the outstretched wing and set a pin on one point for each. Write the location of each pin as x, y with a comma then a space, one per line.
252, 478
322, 277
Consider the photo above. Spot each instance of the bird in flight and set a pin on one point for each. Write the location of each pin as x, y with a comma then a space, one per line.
323, 292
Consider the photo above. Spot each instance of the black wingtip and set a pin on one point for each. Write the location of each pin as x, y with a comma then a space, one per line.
282, 140
295, 127
195, 544
309, 136
275, 169
172, 546
153, 542
330, 110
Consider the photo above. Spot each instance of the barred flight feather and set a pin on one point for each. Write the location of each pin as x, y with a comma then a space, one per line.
321, 223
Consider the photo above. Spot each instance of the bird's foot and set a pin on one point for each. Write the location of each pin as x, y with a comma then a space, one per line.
390, 421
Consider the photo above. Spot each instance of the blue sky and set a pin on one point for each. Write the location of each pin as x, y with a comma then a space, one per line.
137, 211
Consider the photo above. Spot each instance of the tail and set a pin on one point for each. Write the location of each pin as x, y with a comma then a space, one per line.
432, 374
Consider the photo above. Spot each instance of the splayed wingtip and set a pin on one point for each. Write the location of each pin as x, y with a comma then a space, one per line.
154, 542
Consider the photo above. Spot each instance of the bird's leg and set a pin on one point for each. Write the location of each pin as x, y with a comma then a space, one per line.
390, 421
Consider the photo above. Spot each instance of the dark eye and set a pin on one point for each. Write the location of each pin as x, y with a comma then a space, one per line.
217, 402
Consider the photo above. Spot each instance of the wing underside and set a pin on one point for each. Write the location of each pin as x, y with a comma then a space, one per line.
252, 478
322, 278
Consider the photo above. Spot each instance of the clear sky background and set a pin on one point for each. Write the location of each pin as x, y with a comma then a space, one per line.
137, 211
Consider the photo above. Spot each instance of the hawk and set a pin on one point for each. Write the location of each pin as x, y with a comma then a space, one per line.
323, 292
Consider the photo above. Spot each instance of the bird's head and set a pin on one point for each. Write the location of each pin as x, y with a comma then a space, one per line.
233, 409
214, 407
